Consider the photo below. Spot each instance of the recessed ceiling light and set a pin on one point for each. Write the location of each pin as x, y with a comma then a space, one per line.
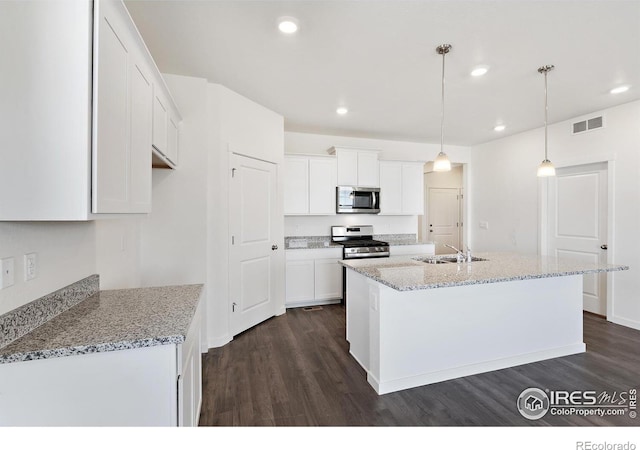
288, 25
499, 128
479, 71
342, 110
619, 89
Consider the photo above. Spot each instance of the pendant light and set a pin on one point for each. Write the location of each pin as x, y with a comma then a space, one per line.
546, 169
442, 163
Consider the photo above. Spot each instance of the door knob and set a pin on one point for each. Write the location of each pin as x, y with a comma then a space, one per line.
603, 246
274, 247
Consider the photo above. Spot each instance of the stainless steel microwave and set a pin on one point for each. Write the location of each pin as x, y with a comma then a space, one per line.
357, 200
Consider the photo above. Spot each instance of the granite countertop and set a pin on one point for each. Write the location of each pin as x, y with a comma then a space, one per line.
111, 320
407, 274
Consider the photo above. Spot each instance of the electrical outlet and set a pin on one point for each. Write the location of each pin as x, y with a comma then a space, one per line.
484, 225
30, 266
7, 269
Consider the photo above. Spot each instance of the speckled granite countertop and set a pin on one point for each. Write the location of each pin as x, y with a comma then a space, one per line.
111, 320
406, 274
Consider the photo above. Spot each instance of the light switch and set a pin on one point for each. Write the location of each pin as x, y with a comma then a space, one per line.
7, 270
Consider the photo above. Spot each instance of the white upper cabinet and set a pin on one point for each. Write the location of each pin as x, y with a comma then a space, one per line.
296, 185
310, 185
357, 167
322, 186
165, 125
77, 102
401, 188
160, 123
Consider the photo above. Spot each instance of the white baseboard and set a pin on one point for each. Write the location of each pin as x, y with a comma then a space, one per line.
313, 303
625, 322
219, 341
386, 387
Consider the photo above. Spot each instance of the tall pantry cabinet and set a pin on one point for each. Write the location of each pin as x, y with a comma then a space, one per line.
77, 111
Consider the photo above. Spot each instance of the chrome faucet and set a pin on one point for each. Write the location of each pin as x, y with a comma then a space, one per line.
460, 256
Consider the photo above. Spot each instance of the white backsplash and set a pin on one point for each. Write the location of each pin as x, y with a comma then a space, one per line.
321, 225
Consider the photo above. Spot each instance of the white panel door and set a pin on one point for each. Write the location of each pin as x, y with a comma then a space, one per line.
390, 187
412, 193
252, 222
322, 186
347, 167
578, 225
141, 117
443, 218
328, 279
296, 185
368, 170
111, 113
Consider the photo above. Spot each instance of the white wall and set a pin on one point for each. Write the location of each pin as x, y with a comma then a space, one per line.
391, 150
321, 225
66, 254
118, 252
236, 124
504, 192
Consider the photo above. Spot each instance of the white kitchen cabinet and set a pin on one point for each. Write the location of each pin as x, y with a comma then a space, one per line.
84, 124
296, 185
313, 277
300, 283
328, 279
122, 93
310, 185
159, 385
390, 187
172, 137
357, 167
401, 188
322, 186
160, 123
165, 124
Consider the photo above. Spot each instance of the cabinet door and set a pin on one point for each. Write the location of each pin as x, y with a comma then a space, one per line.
160, 117
322, 186
141, 112
172, 140
347, 167
296, 185
300, 282
110, 162
412, 189
328, 279
368, 170
390, 188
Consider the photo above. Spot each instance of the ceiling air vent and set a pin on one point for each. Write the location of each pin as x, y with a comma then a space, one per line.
587, 125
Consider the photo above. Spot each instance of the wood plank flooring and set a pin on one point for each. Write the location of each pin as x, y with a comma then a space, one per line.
296, 370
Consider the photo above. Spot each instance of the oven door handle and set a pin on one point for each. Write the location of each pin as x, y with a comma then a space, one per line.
367, 255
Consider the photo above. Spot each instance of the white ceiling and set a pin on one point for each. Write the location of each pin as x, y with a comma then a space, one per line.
378, 58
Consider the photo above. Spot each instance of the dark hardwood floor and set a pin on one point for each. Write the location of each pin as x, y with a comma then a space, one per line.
296, 370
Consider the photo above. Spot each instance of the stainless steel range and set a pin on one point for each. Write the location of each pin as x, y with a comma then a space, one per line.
357, 242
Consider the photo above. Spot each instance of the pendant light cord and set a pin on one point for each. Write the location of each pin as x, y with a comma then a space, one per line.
442, 110
546, 111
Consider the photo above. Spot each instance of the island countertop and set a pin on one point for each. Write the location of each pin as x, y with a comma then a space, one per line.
407, 274
111, 320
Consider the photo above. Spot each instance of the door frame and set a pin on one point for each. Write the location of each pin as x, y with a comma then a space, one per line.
543, 214
279, 274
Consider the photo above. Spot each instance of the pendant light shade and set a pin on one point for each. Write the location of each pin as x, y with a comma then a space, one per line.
442, 163
546, 169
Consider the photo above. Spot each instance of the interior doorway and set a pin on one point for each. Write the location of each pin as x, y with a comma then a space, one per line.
577, 223
443, 222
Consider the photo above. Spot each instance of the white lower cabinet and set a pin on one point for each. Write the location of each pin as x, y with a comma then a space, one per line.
149, 386
313, 277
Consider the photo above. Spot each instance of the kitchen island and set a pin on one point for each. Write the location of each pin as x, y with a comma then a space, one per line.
411, 323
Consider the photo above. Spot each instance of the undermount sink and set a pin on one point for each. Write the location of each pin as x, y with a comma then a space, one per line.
444, 260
